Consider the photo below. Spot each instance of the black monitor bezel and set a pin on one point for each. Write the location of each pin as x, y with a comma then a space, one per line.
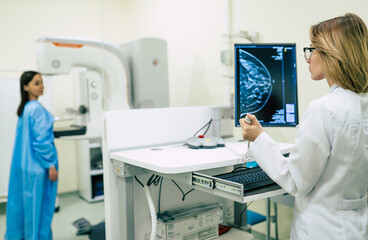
236, 83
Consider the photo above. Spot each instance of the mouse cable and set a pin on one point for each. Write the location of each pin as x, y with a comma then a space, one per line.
206, 125
238, 169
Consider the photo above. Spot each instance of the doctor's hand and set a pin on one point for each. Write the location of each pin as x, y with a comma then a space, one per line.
250, 131
53, 174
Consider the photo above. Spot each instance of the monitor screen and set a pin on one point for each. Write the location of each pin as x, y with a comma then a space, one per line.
266, 83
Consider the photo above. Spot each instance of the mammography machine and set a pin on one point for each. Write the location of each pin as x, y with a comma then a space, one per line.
129, 75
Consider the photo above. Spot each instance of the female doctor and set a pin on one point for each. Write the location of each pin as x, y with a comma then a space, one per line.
327, 170
33, 174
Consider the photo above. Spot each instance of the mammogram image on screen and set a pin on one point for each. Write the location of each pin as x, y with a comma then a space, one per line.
255, 83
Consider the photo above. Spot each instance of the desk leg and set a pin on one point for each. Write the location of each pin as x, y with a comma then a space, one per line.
126, 207
268, 218
240, 216
276, 225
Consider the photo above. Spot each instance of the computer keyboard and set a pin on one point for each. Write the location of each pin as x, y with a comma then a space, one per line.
251, 178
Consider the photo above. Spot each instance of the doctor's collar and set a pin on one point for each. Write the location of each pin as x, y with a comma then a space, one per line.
333, 88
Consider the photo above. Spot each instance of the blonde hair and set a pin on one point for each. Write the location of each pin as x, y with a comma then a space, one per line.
342, 43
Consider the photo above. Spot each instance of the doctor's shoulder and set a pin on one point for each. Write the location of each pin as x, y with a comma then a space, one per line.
340, 100
318, 108
335, 108
318, 112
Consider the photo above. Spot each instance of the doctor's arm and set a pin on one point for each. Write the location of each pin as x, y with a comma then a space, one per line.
298, 173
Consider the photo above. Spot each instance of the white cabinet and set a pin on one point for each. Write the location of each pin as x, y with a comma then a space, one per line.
90, 170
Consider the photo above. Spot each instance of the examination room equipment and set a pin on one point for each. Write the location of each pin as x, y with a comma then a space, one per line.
110, 77
265, 85
130, 75
126, 155
202, 219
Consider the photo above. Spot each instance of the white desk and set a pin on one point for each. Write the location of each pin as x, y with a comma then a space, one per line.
178, 158
179, 162
174, 161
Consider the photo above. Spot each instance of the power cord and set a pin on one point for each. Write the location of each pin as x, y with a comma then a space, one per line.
153, 179
206, 125
138, 181
159, 196
153, 213
182, 192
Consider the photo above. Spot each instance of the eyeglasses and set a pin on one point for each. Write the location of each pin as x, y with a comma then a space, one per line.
308, 52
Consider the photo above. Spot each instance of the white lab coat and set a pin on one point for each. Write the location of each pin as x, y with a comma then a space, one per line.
327, 170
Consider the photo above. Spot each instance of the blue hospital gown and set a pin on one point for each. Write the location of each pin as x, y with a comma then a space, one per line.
31, 196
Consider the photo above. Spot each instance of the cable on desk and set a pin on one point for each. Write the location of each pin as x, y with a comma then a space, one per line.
239, 169
153, 213
206, 125
159, 196
155, 179
182, 192
138, 181
151, 204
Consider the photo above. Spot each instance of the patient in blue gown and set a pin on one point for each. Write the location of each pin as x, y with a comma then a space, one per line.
33, 173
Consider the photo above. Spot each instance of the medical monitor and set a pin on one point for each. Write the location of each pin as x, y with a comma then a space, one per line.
266, 83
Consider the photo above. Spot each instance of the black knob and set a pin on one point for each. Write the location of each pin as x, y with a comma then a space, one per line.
83, 109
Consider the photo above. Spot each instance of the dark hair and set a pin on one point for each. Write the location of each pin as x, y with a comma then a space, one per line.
24, 80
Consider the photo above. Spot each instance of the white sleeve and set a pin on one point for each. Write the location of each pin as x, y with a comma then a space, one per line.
298, 173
